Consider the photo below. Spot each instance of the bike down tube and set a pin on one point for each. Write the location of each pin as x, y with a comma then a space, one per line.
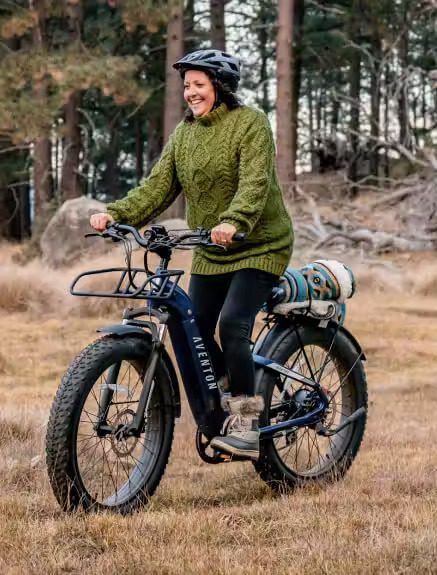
193, 361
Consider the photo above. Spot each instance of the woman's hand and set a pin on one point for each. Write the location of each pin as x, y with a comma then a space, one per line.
223, 234
101, 221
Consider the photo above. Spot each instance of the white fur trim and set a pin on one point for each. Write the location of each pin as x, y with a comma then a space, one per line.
342, 275
286, 307
320, 309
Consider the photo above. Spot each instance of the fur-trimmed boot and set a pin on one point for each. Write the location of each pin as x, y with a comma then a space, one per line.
240, 435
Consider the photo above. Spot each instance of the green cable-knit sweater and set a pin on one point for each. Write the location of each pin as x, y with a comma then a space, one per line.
224, 163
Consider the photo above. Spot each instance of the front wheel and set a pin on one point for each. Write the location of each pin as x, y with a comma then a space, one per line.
302, 455
100, 466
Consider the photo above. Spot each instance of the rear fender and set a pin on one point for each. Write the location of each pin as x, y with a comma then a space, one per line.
122, 330
281, 329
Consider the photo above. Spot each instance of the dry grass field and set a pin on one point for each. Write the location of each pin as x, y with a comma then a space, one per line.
222, 519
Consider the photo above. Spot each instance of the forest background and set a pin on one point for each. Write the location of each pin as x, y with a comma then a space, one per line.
88, 96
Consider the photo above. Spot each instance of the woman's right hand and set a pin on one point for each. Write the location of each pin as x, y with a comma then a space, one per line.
101, 221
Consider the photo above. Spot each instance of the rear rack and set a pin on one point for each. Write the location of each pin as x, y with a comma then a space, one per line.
156, 286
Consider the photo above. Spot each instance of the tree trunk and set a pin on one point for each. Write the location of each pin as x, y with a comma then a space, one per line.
296, 75
284, 104
264, 57
375, 104
387, 80
218, 31
42, 149
403, 107
319, 111
354, 94
111, 175
173, 89
336, 103
191, 41
175, 49
139, 146
313, 155
70, 180
154, 140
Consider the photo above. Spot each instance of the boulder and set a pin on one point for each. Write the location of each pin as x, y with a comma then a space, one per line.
63, 240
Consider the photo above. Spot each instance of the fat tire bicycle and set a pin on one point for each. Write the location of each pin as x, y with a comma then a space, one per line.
111, 424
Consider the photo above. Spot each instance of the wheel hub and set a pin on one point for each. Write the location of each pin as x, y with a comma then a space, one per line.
122, 440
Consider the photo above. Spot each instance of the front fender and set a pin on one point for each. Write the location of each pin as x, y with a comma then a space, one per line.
123, 330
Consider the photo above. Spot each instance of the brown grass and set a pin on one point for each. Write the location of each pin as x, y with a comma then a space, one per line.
222, 519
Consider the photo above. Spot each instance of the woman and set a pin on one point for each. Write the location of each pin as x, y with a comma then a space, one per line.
222, 158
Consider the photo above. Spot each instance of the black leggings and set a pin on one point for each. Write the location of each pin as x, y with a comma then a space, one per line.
237, 298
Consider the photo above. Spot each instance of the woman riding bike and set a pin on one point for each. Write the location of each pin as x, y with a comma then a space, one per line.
222, 158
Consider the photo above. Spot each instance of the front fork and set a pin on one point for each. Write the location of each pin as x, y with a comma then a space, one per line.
136, 427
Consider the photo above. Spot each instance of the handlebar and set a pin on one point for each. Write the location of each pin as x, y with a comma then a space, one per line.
157, 240
157, 236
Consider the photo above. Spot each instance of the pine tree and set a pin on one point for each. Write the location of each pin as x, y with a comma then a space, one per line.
284, 104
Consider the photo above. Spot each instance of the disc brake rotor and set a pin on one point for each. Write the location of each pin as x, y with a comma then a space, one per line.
123, 444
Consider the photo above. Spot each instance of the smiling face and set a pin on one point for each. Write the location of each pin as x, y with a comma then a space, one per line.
199, 92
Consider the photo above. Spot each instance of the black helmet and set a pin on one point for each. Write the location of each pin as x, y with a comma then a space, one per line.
224, 66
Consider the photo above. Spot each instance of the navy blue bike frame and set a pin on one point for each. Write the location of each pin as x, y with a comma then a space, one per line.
198, 373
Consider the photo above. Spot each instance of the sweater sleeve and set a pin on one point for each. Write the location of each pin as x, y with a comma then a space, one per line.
256, 164
153, 195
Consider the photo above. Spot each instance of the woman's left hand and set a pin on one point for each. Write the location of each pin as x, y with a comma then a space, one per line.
223, 234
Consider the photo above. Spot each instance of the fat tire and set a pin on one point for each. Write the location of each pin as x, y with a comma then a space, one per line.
65, 415
270, 466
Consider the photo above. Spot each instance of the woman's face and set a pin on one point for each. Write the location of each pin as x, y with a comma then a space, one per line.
199, 92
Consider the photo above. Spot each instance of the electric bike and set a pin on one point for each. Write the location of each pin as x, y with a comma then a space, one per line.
111, 423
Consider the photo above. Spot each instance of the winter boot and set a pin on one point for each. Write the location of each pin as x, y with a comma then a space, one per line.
240, 435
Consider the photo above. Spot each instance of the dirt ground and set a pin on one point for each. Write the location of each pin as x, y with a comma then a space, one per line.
382, 518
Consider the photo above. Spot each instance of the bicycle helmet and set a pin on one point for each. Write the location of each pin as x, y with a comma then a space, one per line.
221, 64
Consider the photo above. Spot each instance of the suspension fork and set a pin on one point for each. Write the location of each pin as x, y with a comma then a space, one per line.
136, 427
106, 395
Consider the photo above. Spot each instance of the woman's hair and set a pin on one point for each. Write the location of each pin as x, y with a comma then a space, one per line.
224, 95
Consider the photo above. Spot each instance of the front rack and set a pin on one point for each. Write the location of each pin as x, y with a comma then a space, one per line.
156, 286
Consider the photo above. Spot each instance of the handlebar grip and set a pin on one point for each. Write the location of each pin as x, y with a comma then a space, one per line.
239, 237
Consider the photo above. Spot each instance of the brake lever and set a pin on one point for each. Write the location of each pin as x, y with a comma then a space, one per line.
213, 245
114, 236
93, 235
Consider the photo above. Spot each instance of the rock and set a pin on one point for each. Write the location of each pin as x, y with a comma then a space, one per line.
63, 240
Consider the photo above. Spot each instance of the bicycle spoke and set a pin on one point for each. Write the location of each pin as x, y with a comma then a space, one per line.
305, 451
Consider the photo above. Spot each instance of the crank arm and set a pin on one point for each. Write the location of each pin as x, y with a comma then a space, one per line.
360, 412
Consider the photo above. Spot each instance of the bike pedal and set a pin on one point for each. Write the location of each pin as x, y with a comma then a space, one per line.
224, 457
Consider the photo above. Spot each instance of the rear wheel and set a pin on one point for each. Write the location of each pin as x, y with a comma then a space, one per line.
114, 469
301, 454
